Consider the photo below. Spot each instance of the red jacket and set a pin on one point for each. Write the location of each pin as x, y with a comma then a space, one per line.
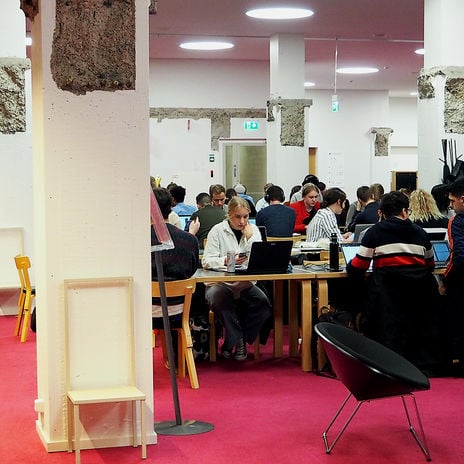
302, 214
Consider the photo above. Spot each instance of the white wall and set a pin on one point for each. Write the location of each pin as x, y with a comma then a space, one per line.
181, 155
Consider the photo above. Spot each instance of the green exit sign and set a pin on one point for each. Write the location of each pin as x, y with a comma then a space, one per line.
251, 125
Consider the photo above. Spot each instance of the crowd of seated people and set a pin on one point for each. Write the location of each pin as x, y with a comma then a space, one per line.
222, 219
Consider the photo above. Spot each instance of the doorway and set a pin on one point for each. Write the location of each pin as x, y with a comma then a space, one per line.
246, 162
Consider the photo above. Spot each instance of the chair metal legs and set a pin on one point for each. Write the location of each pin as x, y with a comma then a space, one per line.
421, 441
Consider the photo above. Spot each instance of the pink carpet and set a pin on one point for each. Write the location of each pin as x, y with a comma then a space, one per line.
265, 411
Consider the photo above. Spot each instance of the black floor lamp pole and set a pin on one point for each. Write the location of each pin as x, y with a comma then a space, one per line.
177, 427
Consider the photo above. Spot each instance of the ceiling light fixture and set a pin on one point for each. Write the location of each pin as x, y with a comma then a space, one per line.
206, 45
309, 84
357, 70
28, 41
419, 51
280, 13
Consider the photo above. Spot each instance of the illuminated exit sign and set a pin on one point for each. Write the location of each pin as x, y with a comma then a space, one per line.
251, 125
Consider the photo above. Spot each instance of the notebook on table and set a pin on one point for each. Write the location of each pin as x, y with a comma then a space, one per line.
267, 258
441, 252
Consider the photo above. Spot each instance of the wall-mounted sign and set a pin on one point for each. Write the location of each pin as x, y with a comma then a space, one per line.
251, 125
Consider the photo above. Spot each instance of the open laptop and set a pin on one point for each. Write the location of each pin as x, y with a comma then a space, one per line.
268, 258
184, 220
358, 229
436, 233
349, 251
441, 252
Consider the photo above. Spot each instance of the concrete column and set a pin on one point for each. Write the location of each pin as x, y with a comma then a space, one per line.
441, 98
287, 150
91, 191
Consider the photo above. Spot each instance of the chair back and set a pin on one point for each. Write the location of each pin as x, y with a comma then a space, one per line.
368, 369
23, 265
184, 288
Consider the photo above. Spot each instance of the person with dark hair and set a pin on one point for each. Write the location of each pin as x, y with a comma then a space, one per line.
366, 211
178, 193
324, 223
278, 219
207, 215
402, 293
306, 208
217, 192
230, 193
454, 277
440, 194
179, 263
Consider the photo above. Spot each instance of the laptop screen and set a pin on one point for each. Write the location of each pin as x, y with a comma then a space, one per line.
183, 221
349, 251
441, 251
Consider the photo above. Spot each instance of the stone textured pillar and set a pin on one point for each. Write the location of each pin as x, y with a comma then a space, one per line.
440, 87
91, 197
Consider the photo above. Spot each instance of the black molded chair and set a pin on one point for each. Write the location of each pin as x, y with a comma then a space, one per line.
370, 371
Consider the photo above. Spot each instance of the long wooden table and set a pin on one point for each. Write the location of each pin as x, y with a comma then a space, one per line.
299, 276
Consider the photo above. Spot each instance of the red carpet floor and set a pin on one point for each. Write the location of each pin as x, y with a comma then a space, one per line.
265, 411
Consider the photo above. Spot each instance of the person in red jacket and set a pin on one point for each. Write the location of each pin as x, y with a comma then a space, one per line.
306, 208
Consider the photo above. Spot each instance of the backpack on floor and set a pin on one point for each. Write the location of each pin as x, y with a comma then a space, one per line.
199, 328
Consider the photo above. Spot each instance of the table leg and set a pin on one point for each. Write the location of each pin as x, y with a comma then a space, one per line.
293, 317
278, 319
322, 300
306, 325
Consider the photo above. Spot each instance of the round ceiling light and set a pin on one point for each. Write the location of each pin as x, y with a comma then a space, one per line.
420, 51
280, 13
357, 70
206, 45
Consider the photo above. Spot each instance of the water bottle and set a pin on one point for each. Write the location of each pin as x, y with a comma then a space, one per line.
333, 253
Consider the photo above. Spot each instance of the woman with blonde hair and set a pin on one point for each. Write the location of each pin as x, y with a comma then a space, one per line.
242, 323
424, 210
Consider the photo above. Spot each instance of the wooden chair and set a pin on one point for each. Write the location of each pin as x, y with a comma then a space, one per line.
100, 364
26, 297
183, 288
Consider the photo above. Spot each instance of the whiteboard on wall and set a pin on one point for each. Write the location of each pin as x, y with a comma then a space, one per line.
336, 170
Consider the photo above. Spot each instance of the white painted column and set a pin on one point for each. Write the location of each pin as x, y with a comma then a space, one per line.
444, 58
92, 219
286, 165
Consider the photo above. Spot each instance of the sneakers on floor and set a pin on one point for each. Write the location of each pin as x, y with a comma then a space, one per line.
240, 351
226, 352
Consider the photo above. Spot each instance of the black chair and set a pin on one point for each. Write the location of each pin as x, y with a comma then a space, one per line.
370, 371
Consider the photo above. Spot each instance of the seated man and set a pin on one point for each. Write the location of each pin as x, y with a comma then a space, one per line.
235, 234
278, 219
207, 215
178, 194
241, 191
402, 293
366, 211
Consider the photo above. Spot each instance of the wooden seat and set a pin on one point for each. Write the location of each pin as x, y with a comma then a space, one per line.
183, 288
26, 297
213, 339
100, 364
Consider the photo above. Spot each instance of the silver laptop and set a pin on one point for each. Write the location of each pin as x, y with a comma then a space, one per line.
358, 229
350, 250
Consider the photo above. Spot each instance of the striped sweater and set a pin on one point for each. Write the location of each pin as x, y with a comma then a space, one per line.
393, 243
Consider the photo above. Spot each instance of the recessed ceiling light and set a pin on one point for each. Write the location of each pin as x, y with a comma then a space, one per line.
420, 51
280, 13
357, 70
206, 45
309, 84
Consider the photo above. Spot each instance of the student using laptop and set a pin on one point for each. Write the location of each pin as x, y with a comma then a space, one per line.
402, 293
235, 234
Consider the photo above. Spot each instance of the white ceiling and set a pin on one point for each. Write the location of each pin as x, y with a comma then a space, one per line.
379, 33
